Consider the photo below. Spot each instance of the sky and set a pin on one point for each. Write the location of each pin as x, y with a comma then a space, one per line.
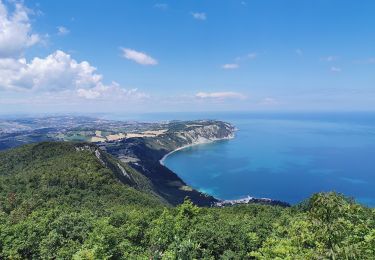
192, 55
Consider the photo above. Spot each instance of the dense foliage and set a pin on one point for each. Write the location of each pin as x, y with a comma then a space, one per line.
59, 203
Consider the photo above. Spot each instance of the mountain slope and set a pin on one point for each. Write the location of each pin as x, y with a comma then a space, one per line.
139, 146
66, 173
65, 201
146, 153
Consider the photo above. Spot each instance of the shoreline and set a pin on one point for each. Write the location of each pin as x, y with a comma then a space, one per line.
223, 202
207, 141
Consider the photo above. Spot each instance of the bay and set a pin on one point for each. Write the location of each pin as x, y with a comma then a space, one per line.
286, 157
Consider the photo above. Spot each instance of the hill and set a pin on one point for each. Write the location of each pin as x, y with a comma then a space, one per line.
68, 174
138, 145
67, 201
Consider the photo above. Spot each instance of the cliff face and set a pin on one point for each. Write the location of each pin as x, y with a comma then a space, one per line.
122, 171
190, 133
207, 133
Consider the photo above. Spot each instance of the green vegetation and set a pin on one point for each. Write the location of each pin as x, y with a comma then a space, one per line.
60, 203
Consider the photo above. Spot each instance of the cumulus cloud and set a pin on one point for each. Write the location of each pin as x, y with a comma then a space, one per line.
54, 78
335, 69
15, 30
61, 30
60, 73
88, 93
199, 16
252, 55
220, 95
111, 92
139, 57
230, 66
57, 71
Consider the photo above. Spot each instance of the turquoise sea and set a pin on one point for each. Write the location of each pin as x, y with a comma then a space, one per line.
282, 156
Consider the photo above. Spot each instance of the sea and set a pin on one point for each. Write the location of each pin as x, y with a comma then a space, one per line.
281, 156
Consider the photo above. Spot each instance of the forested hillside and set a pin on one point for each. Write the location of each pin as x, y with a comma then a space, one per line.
64, 201
139, 145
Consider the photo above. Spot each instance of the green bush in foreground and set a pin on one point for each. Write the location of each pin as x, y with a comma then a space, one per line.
331, 228
56, 203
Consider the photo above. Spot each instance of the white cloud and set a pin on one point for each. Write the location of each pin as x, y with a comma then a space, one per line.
161, 6
61, 30
335, 69
230, 66
252, 55
57, 71
366, 61
88, 93
61, 74
139, 57
199, 16
330, 58
268, 101
56, 78
240, 59
111, 92
220, 95
249, 56
15, 30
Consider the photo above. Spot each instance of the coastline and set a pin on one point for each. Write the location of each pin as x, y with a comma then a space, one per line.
206, 141
222, 202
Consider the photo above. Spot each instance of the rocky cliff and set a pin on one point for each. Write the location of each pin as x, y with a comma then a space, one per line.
207, 133
144, 155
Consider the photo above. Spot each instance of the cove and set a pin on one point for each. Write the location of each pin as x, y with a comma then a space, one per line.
286, 157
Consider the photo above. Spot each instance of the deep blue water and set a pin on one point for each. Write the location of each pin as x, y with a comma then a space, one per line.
282, 156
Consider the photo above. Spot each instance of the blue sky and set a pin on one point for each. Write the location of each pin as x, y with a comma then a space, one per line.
146, 56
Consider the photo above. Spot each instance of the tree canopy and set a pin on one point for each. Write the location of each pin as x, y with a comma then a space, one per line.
59, 203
